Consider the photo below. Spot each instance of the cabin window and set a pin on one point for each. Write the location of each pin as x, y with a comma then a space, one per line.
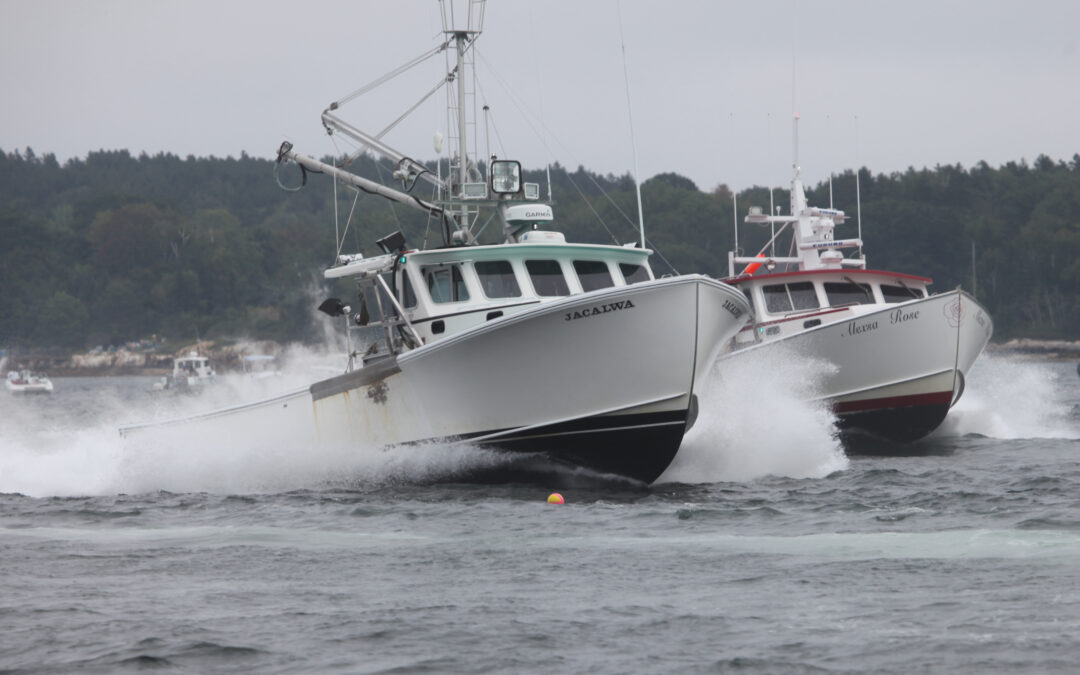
497, 279
781, 298
633, 273
776, 299
847, 293
593, 274
445, 283
899, 293
547, 277
803, 295
408, 296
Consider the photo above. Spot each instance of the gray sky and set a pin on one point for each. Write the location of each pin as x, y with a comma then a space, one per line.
886, 85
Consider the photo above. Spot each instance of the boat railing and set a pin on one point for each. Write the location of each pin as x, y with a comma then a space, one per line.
398, 332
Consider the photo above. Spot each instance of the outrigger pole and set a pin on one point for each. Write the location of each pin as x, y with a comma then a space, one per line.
310, 164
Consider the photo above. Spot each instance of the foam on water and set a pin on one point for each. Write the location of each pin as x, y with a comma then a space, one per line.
758, 418
269, 450
1011, 397
273, 458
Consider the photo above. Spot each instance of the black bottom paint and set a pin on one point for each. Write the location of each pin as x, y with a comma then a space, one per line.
873, 431
638, 447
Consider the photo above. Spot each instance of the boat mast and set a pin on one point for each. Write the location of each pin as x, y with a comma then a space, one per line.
630, 115
461, 38
858, 199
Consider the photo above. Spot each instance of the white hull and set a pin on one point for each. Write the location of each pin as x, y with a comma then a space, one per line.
606, 380
36, 388
899, 367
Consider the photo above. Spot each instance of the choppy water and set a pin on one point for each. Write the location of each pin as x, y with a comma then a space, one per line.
764, 549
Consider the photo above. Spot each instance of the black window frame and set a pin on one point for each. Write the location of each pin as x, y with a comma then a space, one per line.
547, 275
640, 269
509, 271
587, 278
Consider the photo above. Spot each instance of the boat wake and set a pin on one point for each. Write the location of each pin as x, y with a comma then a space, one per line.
69, 446
1008, 397
757, 418
269, 459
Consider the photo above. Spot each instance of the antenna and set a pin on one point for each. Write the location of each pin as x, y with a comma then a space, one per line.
828, 123
795, 143
772, 205
794, 52
630, 114
858, 198
772, 224
487, 144
543, 125
734, 194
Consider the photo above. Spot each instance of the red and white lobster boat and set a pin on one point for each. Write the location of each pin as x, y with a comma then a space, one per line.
901, 354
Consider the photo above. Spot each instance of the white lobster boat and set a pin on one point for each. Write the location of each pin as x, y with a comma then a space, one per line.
901, 354
528, 344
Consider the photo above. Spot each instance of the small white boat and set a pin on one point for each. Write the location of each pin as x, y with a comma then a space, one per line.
901, 353
28, 382
189, 373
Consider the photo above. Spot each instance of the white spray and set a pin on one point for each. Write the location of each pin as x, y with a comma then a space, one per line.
1013, 397
758, 418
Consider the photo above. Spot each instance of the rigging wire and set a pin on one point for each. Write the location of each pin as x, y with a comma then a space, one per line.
389, 76
491, 118
337, 235
416, 105
630, 115
341, 237
517, 102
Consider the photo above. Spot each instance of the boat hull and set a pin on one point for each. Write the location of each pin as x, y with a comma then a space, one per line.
898, 369
35, 388
604, 380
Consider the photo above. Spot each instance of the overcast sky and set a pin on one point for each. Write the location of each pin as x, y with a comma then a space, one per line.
886, 85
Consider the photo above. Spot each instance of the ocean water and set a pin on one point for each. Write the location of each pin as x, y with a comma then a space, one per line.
764, 548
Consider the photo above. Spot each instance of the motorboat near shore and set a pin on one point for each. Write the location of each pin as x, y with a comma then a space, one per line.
28, 382
526, 344
190, 373
901, 354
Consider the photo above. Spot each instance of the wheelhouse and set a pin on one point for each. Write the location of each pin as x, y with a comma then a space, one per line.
192, 365
790, 302
444, 291
439, 292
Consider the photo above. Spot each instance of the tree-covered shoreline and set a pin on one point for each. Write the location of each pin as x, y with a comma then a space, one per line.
115, 247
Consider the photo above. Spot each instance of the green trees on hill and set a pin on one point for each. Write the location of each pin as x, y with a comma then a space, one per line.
115, 248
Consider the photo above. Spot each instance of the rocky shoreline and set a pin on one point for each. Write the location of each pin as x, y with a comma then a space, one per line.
1063, 350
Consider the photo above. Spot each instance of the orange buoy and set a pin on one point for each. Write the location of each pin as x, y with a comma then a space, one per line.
555, 498
753, 267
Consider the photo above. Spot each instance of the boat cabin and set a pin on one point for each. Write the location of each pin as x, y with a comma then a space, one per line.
444, 292
192, 366
439, 292
791, 302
